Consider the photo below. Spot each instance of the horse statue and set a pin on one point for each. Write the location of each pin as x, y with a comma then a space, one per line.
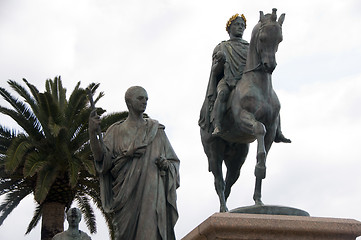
253, 113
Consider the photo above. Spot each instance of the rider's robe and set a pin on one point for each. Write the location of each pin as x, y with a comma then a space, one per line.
140, 195
235, 51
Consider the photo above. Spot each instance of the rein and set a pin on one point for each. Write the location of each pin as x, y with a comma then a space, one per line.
260, 64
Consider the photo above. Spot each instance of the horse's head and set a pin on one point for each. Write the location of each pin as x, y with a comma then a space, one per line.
266, 36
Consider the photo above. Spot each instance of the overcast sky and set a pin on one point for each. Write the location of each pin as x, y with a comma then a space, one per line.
166, 47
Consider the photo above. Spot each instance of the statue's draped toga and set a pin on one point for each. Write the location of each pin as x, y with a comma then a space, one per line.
141, 196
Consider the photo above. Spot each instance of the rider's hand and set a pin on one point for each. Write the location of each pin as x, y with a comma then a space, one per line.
220, 57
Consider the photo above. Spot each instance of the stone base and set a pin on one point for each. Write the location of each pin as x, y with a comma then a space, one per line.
231, 226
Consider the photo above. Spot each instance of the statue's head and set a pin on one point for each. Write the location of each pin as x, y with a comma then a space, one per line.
236, 25
73, 215
136, 99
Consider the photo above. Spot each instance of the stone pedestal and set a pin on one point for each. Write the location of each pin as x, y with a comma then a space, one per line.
230, 226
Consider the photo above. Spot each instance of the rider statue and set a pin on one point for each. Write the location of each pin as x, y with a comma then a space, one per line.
228, 62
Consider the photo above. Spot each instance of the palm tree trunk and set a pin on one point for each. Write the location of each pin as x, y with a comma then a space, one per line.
52, 219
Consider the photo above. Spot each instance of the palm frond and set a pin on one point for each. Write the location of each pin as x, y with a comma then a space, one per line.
44, 181
45, 114
87, 210
36, 218
34, 91
7, 132
7, 185
56, 90
23, 93
74, 166
16, 152
6, 137
80, 120
34, 163
88, 164
52, 157
77, 102
109, 119
22, 114
51, 108
62, 95
11, 201
91, 188
14, 102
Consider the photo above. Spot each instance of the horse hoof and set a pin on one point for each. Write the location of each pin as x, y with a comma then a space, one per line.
223, 209
258, 202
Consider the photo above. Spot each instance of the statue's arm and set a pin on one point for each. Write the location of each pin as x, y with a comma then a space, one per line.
95, 144
168, 161
218, 60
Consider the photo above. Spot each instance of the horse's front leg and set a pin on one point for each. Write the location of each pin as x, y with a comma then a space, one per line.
260, 132
260, 170
251, 126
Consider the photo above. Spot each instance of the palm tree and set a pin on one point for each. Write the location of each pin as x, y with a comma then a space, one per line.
51, 157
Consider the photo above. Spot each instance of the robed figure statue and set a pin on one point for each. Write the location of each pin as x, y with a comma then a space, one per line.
139, 173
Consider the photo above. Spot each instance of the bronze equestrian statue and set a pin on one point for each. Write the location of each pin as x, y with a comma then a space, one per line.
252, 110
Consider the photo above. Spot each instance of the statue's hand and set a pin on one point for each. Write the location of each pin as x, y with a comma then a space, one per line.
220, 57
232, 84
94, 122
162, 163
218, 61
96, 142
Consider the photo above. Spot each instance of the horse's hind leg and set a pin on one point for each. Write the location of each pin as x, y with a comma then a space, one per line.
219, 184
234, 158
214, 149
